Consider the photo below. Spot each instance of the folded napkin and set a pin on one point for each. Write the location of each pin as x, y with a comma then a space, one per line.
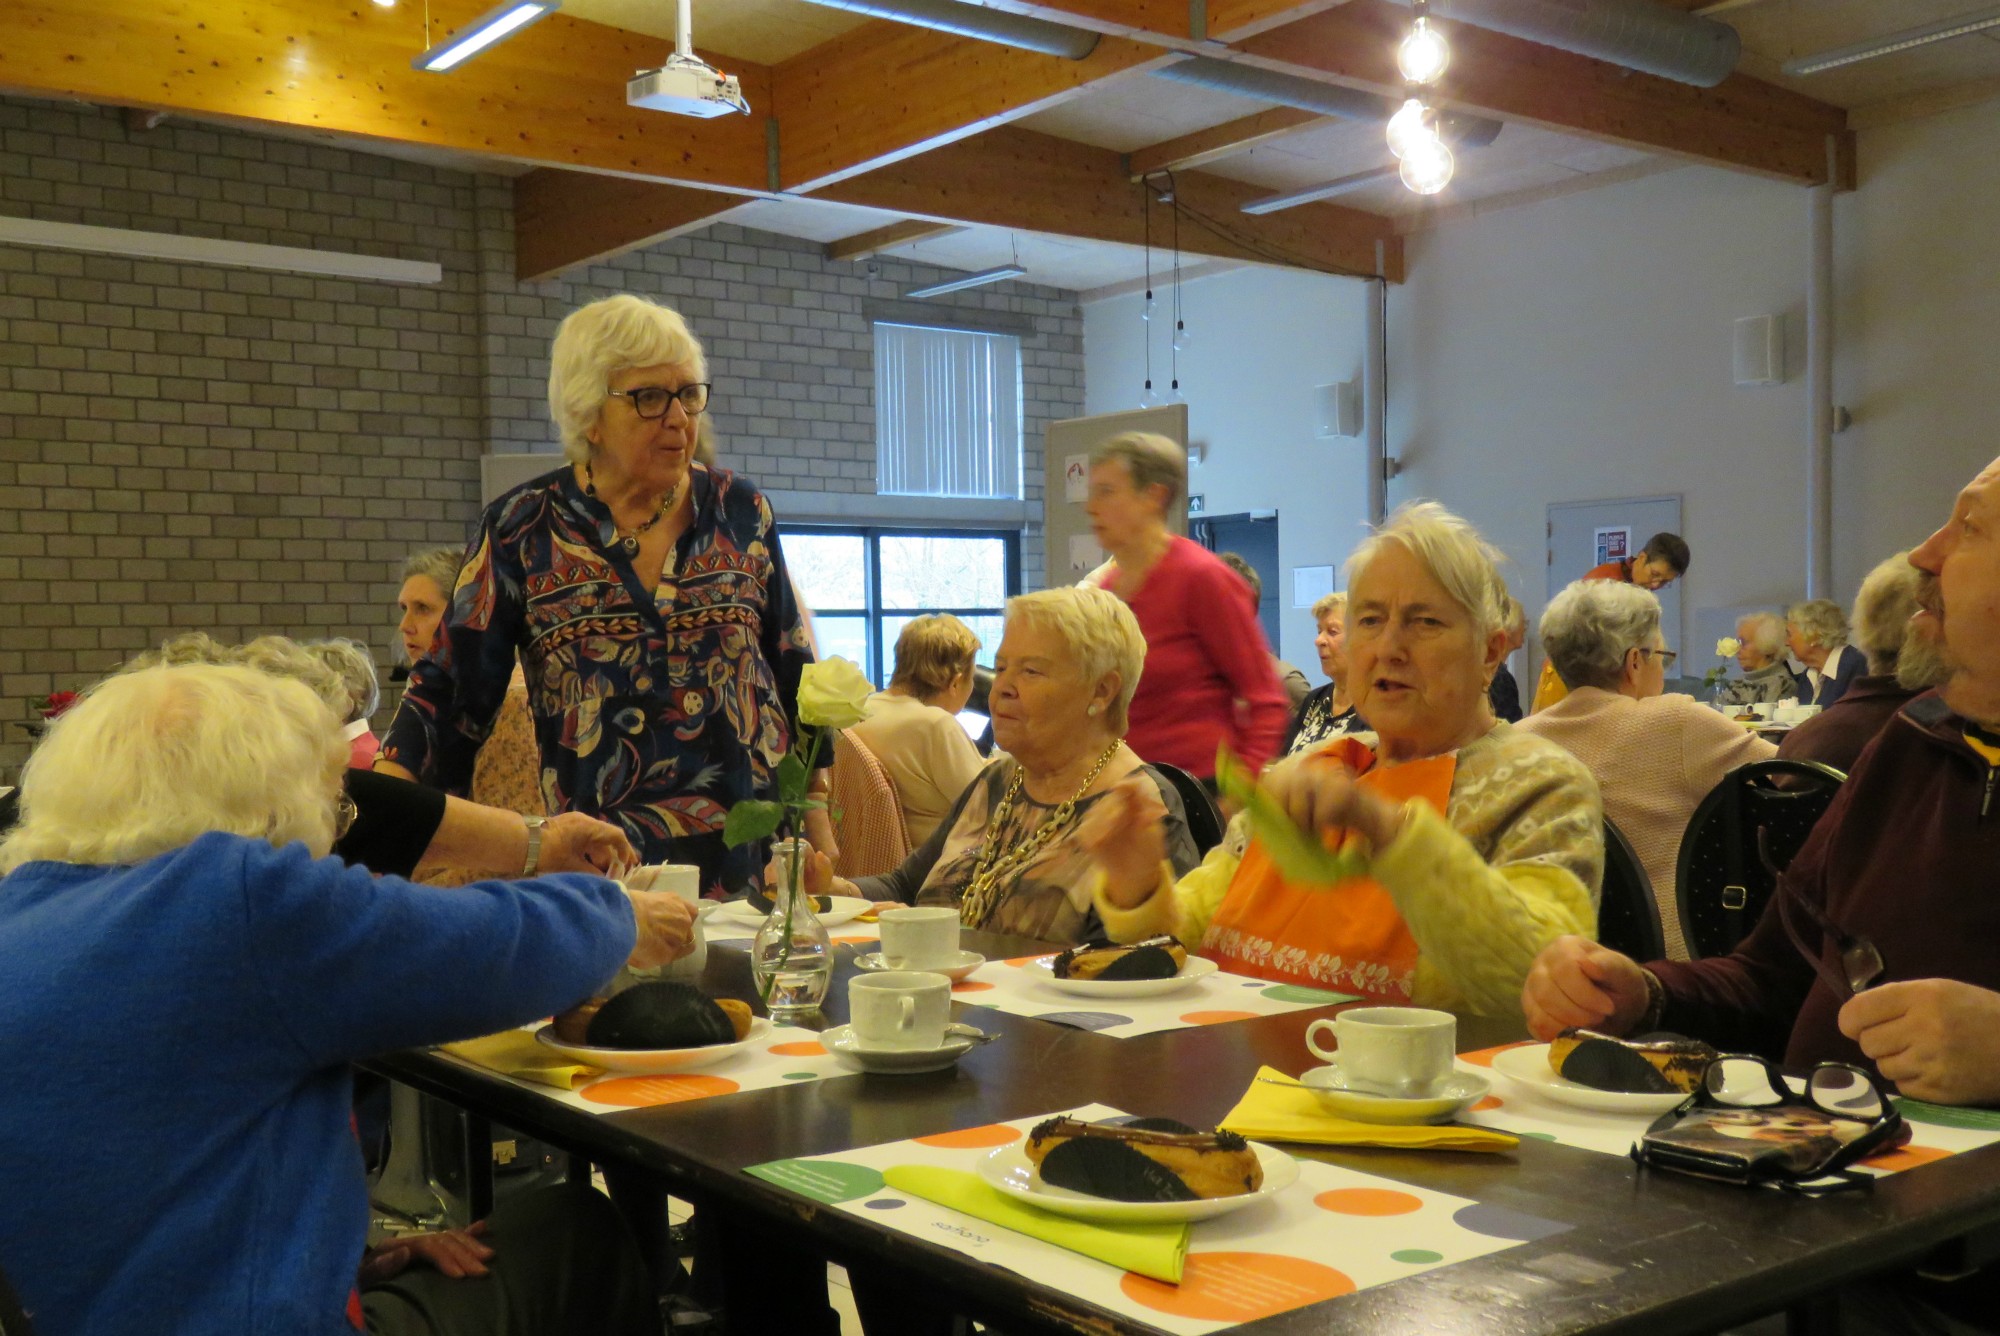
1289, 1111
515, 1053
1153, 1250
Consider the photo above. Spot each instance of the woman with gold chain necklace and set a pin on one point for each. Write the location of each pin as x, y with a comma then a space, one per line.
1006, 854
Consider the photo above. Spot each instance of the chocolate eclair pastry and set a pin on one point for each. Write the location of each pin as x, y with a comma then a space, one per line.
1154, 958
1153, 1159
1652, 1064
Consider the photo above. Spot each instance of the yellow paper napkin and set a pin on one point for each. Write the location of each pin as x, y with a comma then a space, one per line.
1153, 1250
515, 1053
1290, 1112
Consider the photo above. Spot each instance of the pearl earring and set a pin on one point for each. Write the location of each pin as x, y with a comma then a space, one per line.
1093, 709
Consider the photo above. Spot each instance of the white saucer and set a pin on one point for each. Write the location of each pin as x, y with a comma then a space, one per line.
1010, 1171
1528, 1067
1196, 969
656, 1061
1461, 1091
840, 909
960, 964
840, 1042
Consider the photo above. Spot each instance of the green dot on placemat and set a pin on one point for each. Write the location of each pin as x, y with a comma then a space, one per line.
830, 1181
1292, 992
1416, 1255
800, 1076
1536, 1136
1938, 1115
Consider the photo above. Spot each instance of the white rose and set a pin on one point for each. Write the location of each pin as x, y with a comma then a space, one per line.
831, 693
1728, 646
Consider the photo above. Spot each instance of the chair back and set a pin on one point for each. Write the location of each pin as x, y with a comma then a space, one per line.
1204, 818
1628, 917
867, 814
1744, 833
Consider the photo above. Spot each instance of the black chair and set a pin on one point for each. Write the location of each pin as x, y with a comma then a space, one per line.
1628, 917
1204, 818
13, 1322
1744, 833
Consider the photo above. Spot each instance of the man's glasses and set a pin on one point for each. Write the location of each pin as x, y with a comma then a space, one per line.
1860, 963
651, 402
1744, 1081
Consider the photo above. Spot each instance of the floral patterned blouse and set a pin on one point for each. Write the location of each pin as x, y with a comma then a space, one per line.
655, 711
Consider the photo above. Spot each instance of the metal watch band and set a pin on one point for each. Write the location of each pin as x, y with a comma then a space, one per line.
534, 863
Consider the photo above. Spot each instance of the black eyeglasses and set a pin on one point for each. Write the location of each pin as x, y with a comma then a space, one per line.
1665, 656
1836, 1089
651, 402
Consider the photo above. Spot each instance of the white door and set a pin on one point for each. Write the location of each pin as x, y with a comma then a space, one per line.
1579, 531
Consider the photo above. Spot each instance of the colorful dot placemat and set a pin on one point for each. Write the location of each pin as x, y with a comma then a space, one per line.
1335, 1231
786, 1055
1009, 985
1936, 1131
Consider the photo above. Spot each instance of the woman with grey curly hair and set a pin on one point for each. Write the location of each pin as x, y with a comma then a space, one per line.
1817, 633
1760, 653
645, 595
1655, 756
350, 661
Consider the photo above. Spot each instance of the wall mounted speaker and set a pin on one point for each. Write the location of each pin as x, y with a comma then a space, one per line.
1337, 409
1760, 350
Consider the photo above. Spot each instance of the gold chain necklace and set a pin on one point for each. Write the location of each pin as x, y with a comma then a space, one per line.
982, 896
629, 539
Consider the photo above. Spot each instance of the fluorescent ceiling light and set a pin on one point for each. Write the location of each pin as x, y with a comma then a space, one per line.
979, 279
212, 250
1964, 25
1326, 190
483, 32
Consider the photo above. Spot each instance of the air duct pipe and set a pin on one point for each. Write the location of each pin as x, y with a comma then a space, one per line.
1637, 34
990, 25
1291, 90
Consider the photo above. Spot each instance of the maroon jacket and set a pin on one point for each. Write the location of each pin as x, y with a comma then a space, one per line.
1838, 735
1908, 856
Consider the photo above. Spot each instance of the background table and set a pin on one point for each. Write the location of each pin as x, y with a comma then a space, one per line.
1648, 1253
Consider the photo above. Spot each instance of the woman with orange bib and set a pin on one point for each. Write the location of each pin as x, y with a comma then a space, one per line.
1481, 844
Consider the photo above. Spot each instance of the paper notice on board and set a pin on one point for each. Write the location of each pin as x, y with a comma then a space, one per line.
1076, 479
1310, 584
1085, 555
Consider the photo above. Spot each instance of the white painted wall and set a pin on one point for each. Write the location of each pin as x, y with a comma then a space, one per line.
1579, 348
1260, 340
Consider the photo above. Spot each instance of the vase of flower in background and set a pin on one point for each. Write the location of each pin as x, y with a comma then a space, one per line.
792, 956
1716, 678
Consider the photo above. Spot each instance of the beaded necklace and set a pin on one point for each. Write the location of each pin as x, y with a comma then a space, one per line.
982, 895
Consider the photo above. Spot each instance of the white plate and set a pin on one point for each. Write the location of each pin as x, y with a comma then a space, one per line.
842, 1043
1010, 1170
1196, 969
1529, 1067
655, 1061
962, 964
844, 908
1460, 1092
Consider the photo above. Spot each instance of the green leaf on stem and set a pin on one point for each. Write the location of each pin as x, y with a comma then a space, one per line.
751, 820
792, 777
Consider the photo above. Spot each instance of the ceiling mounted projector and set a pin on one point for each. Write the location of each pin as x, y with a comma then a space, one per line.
686, 85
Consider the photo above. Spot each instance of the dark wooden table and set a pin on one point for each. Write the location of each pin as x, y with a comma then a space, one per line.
1648, 1253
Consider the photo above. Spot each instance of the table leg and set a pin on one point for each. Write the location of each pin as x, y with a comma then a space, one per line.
643, 1202
478, 1165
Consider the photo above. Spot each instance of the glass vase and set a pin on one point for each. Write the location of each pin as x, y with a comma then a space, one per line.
792, 956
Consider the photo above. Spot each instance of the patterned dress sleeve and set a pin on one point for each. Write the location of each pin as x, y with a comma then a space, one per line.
454, 695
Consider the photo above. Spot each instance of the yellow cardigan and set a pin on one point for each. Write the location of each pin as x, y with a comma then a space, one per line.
1513, 864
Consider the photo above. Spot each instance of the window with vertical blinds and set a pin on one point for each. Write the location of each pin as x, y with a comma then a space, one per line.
947, 412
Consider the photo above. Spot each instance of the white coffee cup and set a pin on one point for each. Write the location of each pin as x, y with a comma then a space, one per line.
919, 938
684, 880
1402, 1051
902, 1009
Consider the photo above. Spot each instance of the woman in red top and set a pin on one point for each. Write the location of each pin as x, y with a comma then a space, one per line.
1208, 675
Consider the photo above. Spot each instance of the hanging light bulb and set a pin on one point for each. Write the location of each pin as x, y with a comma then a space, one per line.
1427, 165
1180, 336
1407, 125
1151, 398
1146, 311
1423, 54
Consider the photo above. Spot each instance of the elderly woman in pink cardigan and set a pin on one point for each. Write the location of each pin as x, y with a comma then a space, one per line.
1655, 756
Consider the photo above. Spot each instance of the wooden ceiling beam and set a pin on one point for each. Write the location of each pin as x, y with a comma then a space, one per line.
563, 219
1016, 178
886, 91
553, 94
1221, 141
1742, 123
864, 244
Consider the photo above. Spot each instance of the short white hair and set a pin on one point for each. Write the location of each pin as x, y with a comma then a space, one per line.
1451, 550
350, 661
1100, 632
1590, 627
149, 760
275, 655
1819, 622
1765, 630
1326, 603
596, 342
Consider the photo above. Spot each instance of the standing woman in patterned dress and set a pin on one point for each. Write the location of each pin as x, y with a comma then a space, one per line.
646, 597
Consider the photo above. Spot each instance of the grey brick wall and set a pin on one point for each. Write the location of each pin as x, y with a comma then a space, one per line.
192, 447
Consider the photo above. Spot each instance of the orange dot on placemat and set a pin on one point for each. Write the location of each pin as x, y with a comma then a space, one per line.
639, 1092
1484, 1057
853, 941
970, 986
804, 1048
1217, 1017
1239, 1286
971, 1138
1367, 1201
1905, 1157
1019, 961
1490, 1102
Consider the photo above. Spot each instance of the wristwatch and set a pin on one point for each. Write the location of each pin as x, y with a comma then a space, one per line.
535, 824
